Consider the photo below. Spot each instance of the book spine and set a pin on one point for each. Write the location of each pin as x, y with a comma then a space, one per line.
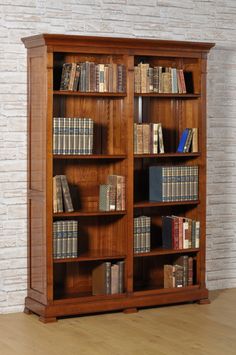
74, 249
64, 239
66, 194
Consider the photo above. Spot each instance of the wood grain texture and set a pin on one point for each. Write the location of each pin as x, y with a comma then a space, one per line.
183, 329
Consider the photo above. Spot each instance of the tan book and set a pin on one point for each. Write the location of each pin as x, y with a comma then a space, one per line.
114, 279
54, 194
169, 277
139, 129
146, 138
195, 140
101, 279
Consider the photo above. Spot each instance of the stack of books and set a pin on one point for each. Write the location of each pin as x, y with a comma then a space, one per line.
180, 274
61, 195
65, 239
161, 80
108, 278
147, 137
72, 135
173, 183
92, 77
180, 233
188, 141
142, 234
112, 194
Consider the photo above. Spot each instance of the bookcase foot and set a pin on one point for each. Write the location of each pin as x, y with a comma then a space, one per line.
47, 319
130, 310
204, 301
27, 311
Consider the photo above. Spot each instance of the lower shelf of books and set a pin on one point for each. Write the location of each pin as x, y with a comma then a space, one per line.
165, 271
89, 279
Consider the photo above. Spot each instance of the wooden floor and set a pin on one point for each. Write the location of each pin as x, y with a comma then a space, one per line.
184, 329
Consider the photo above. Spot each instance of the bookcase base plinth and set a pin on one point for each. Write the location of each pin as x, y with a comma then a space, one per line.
204, 301
47, 319
130, 310
127, 304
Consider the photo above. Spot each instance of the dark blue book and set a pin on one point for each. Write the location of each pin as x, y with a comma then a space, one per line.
157, 183
183, 140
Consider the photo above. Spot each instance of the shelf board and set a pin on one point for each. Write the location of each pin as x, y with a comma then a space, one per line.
89, 156
166, 155
153, 290
168, 95
91, 256
64, 298
88, 213
93, 94
161, 251
143, 204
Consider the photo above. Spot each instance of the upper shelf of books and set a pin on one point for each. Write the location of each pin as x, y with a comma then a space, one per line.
107, 75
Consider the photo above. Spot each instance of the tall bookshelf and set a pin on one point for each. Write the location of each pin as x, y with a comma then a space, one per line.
61, 287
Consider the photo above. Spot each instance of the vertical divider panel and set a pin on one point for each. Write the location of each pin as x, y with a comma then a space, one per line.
129, 109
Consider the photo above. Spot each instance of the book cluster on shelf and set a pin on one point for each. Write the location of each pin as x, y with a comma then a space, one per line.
173, 183
160, 79
65, 239
73, 135
92, 77
180, 233
61, 195
180, 274
147, 138
188, 141
108, 278
142, 234
112, 194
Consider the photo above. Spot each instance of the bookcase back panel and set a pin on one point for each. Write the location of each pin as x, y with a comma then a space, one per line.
110, 123
102, 236
84, 178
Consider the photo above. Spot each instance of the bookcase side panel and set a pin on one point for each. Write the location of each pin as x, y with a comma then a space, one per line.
37, 95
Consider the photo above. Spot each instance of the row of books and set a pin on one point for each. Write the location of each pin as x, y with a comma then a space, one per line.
92, 77
188, 141
180, 233
108, 278
142, 234
65, 239
161, 79
173, 183
61, 195
147, 138
72, 135
180, 274
112, 194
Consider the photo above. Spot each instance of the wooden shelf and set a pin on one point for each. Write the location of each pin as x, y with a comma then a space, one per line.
92, 256
146, 204
169, 95
160, 251
88, 213
90, 156
167, 155
91, 94
153, 290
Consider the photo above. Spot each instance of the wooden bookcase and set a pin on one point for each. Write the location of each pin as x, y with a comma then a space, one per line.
63, 287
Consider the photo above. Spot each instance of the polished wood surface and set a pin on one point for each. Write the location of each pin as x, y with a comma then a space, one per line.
183, 329
64, 287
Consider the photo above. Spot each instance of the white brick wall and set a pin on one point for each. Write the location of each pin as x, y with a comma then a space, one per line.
200, 20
